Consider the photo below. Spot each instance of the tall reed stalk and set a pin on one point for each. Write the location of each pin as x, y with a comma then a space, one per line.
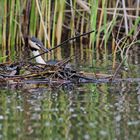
93, 20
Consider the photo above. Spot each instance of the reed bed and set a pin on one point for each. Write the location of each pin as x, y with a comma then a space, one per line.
116, 24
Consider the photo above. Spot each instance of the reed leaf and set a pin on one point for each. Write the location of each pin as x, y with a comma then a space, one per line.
33, 19
54, 23
61, 5
93, 20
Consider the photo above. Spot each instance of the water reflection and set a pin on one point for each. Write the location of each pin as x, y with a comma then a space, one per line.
86, 112
92, 111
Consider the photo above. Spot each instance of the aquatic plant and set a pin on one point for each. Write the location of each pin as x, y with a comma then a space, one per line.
55, 21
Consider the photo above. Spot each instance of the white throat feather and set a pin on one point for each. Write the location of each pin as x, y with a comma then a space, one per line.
38, 59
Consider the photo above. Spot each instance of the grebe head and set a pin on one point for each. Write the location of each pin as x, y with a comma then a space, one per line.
36, 46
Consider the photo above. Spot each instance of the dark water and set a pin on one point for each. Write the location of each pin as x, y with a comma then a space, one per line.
103, 111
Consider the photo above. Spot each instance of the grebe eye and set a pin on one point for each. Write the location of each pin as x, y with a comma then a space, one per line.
38, 45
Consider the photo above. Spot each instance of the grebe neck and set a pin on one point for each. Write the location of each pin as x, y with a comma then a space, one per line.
38, 59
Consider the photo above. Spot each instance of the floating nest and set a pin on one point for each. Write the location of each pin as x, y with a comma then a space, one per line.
59, 72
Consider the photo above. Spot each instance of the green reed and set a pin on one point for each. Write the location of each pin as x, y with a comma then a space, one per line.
33, 19
93, 19
53, 24
49, 20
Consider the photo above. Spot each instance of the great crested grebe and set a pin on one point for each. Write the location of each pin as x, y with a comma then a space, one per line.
36, 45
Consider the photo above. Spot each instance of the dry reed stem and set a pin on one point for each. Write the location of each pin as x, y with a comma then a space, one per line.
110, 24
99, 27
125, 17
72, 18
121, 15
43, 24
83, 4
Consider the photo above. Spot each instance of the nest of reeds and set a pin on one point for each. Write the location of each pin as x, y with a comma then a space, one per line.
60, 72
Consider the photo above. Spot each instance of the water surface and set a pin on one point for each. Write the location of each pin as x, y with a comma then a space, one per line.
76, 111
